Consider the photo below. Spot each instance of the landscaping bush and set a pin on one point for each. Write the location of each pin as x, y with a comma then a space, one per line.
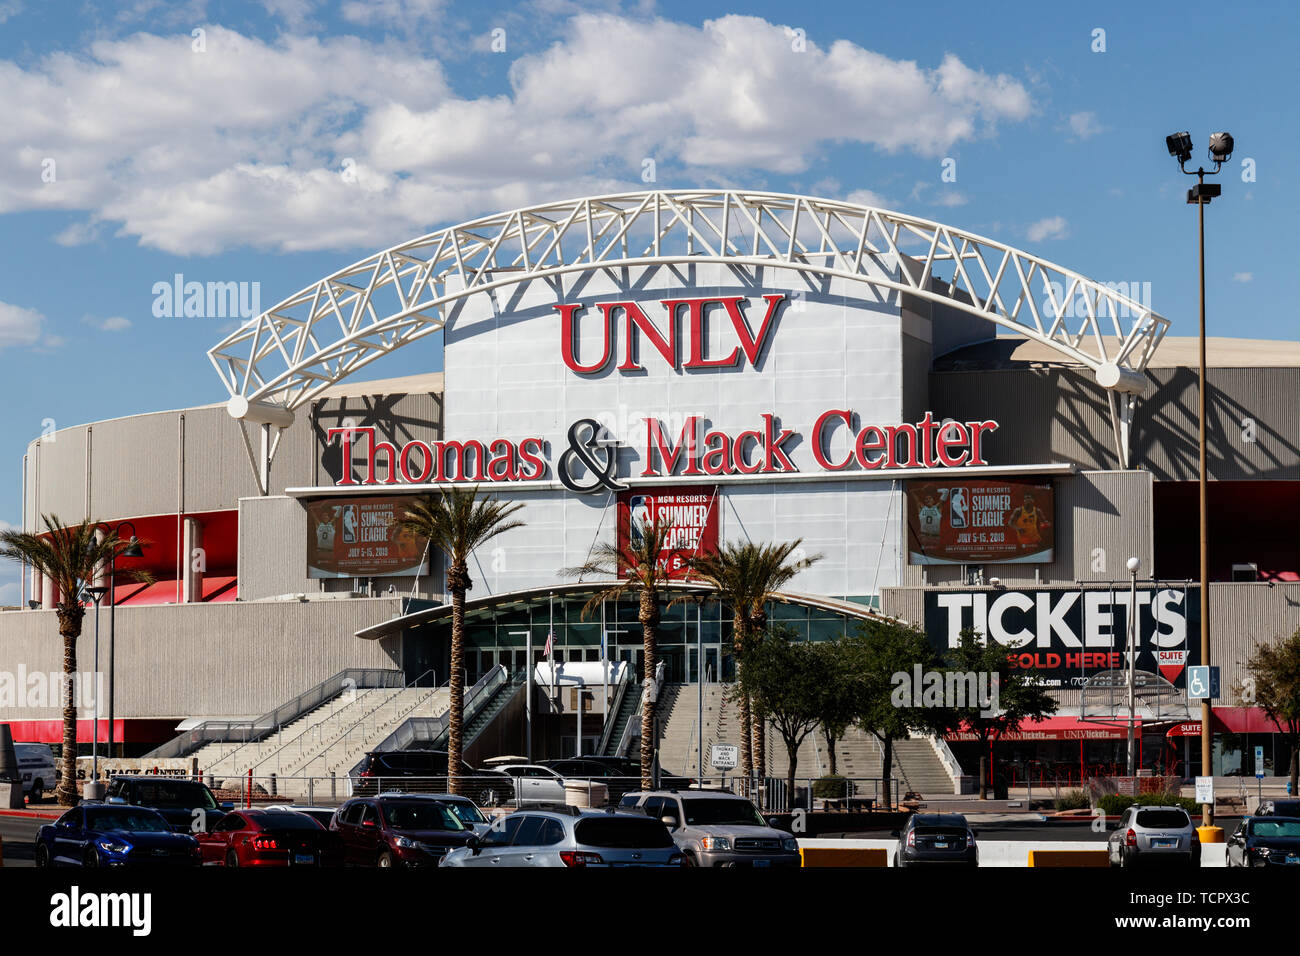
830, 787
1073, 800
1115, 803
1166, 799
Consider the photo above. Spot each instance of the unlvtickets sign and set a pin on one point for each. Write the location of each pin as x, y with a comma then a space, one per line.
1069, 635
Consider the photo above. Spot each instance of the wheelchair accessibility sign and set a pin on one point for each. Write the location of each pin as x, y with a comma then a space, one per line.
1202, 683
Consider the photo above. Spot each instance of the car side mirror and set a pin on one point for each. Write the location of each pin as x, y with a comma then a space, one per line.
227, 806
368, 824
117, 801
475, 845
670, 822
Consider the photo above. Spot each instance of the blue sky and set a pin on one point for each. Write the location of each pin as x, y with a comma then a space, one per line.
291, 137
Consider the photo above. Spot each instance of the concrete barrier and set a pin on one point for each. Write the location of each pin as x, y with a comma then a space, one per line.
823, 856
1069, 858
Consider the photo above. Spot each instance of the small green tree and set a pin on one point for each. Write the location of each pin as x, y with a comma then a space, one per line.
884, 649
1020, 694
1274, 672
786, 682
836, 710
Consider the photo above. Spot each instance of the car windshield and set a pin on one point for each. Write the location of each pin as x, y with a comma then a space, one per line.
421, 816
1163, 819
173, 793
1274, 827
710, 812
622, 833
466, 812
127, 821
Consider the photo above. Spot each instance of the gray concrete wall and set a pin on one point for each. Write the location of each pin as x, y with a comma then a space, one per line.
205, 660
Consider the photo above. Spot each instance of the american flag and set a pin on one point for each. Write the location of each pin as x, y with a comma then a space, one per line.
550, 640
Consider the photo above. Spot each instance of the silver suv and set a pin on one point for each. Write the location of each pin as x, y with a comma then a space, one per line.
717, 828
1148, 834
570, 837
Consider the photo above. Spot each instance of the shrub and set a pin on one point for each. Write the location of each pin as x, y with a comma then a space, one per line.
1164, 798
1073, 800
830, 787
1115, 803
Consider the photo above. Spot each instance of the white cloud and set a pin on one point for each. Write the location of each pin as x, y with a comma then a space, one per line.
1053, 227
1084, 125
1243, 277
115, 323
10, 9
19, 326
868, 197
245, 145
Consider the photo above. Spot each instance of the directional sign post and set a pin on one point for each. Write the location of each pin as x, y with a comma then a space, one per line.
1259, 774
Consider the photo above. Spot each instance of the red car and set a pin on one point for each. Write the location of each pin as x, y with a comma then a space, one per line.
269, 838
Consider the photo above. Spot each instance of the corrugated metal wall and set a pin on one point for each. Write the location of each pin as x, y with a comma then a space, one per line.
206, 660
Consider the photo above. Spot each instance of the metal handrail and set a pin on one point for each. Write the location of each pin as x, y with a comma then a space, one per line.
262, 727
612, 716
625, 737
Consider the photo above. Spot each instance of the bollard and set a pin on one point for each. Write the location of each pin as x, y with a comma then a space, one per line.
311, 791
333, 781
274, 791
212, 782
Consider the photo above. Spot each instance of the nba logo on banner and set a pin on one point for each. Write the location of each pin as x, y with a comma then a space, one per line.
1171, 664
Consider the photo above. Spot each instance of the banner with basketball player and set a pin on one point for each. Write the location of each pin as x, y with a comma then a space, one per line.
355, 538
692, 511
980, 521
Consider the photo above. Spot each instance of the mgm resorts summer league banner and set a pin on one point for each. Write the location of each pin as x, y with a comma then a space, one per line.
980, 521
355, 537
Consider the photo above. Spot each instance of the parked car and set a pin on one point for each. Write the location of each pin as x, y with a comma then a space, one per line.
389, 831
1268, 840
466, 810
534, 783
936, 839
572, 839
1279, 808
39, 772
425, 771
321, 815
717, 828
188, 805
96, 834
269, 838
1152, 834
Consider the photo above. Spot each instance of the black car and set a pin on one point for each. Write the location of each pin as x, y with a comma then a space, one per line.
425, 771
619, 774
188, 806
1265, 841
936, 838
1279, 808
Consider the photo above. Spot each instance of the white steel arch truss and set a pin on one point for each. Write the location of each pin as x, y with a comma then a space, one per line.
285, 357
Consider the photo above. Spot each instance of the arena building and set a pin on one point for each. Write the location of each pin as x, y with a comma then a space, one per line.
967, 434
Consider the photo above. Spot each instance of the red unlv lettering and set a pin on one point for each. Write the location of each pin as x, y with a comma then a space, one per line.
639, 330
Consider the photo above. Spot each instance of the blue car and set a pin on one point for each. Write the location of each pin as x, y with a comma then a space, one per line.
114, 835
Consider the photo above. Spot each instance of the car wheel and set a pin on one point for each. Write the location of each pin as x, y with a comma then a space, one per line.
232, 858
385, 860
90, 858
38, 792
486, 798
42, 855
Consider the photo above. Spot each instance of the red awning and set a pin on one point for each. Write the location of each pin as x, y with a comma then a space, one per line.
127, 731
1230, 720
1057, 728
219, 588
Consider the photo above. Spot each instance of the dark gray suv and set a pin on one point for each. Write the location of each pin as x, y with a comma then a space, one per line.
717, 828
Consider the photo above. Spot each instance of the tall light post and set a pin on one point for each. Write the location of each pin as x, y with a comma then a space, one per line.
1220, 151
96, 593
1133, 565
132, 550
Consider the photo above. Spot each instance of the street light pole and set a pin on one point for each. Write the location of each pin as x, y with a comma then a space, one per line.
1221, 147
1133, 565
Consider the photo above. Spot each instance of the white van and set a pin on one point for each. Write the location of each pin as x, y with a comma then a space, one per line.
36, 764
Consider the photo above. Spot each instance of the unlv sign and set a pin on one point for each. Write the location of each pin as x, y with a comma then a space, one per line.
639, 328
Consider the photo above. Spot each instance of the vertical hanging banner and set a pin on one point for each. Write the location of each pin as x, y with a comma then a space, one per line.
355, 537
692, 511
980, 521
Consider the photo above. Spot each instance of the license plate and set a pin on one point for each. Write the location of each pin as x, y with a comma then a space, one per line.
1164, 844
305, 858
1292, 858
762, 862
940, 846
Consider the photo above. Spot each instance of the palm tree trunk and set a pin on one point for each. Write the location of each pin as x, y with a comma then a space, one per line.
738, 635
648, 613
760, 746
70, 614
456, 718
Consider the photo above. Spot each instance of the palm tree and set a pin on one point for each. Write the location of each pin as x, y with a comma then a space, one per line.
746, 576
70, 557
639, 571
456, 522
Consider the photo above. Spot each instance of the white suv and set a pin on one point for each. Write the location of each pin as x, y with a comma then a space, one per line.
36, 764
